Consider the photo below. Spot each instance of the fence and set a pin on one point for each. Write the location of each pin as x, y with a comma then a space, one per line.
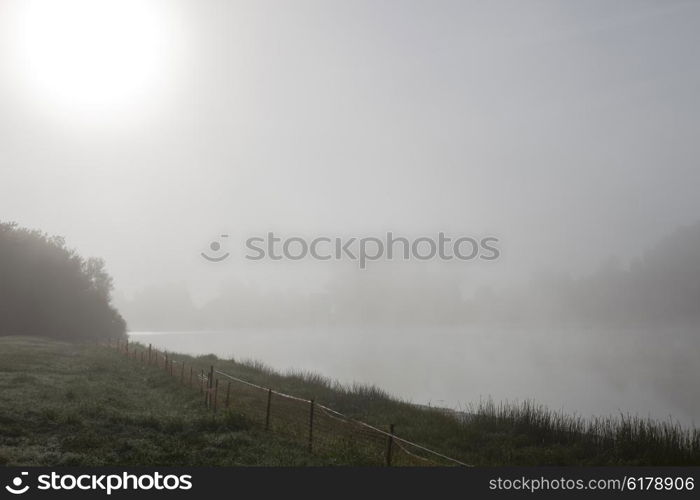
320, 428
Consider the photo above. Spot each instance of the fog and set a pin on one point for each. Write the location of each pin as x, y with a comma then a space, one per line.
564, 130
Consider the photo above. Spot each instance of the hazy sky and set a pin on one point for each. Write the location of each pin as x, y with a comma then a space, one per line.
142, 130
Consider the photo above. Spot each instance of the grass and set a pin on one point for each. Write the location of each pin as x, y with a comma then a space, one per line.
76, 404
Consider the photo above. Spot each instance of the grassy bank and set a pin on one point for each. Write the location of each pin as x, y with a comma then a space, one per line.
77, 404
73, 404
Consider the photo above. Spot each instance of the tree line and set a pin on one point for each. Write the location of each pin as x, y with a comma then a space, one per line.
48, 290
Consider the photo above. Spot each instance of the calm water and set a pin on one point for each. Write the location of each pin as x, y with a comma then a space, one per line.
589, 372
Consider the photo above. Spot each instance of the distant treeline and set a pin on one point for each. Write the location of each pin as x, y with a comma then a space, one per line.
47, 289
662, 285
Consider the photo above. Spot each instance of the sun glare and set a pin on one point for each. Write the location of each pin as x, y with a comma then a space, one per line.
91, 55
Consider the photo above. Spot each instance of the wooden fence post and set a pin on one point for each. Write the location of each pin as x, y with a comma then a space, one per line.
311, 425
126, 346
267, 412
216, 394
205, 388
166, 362
210, 386
389, 443
191, 373
182, 374
149, 355
228, 394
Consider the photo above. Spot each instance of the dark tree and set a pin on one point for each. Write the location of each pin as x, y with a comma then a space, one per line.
46, 289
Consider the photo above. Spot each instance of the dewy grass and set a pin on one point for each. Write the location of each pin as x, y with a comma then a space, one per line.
72, 404
78, 404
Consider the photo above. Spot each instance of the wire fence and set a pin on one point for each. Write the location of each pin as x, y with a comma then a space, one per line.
320, 428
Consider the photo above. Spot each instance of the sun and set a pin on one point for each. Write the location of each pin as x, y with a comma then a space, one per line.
91, 55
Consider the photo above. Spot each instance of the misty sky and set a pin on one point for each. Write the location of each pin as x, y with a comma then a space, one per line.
567, 129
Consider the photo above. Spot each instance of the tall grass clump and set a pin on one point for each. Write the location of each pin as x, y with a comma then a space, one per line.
623, 438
